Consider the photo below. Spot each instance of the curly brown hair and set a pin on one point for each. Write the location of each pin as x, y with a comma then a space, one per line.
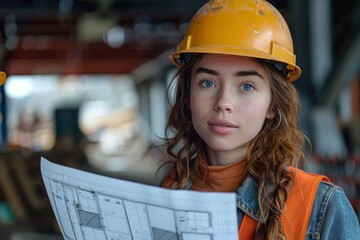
277, 146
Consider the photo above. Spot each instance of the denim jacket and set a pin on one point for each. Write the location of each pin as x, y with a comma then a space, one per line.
332, 215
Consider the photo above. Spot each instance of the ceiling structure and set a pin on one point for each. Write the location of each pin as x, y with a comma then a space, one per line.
85, 36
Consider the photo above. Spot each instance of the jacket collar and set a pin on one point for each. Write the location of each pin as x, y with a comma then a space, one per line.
247, 198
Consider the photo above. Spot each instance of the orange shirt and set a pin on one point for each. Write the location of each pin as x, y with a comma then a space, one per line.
219, 179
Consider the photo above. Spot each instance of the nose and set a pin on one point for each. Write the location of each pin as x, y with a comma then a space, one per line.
224, 101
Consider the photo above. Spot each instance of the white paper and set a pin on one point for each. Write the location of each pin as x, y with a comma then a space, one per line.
94, 207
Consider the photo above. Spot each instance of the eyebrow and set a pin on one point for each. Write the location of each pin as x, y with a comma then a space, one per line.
237, 74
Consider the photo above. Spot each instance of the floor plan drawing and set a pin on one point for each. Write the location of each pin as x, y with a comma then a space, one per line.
94, 207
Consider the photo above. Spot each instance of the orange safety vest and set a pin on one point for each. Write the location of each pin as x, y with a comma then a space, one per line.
298, 206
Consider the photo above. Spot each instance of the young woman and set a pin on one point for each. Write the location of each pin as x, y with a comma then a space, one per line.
234, 126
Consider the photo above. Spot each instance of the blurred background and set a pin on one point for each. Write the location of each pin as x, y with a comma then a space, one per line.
87, 83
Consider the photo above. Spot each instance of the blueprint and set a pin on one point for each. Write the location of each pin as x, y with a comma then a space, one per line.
88, 206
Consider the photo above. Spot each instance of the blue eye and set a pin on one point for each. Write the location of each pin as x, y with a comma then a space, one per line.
247, 87
207, 84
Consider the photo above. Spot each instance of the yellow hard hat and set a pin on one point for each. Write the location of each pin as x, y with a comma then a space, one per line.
251, 28
2, 78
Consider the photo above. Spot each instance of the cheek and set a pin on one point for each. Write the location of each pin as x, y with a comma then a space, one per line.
195, 101
259, 112
199, 108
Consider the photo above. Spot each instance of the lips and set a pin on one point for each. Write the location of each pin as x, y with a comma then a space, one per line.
220, 126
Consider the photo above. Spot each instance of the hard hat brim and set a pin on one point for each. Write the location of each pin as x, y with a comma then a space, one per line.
175, 57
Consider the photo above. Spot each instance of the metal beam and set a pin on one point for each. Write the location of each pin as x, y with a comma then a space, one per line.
345, 70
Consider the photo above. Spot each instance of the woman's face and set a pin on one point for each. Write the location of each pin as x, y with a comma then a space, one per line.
229, 102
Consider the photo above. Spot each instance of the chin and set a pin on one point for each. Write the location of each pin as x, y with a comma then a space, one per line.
227, 145
221, 147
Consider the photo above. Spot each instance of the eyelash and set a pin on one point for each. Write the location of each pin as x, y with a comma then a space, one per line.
203, 83
247, 85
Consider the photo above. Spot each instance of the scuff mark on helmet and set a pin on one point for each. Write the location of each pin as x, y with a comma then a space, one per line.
214, 6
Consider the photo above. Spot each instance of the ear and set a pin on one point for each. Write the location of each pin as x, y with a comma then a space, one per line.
270, 114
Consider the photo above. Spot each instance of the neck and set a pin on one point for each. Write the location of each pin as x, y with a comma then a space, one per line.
223, 158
